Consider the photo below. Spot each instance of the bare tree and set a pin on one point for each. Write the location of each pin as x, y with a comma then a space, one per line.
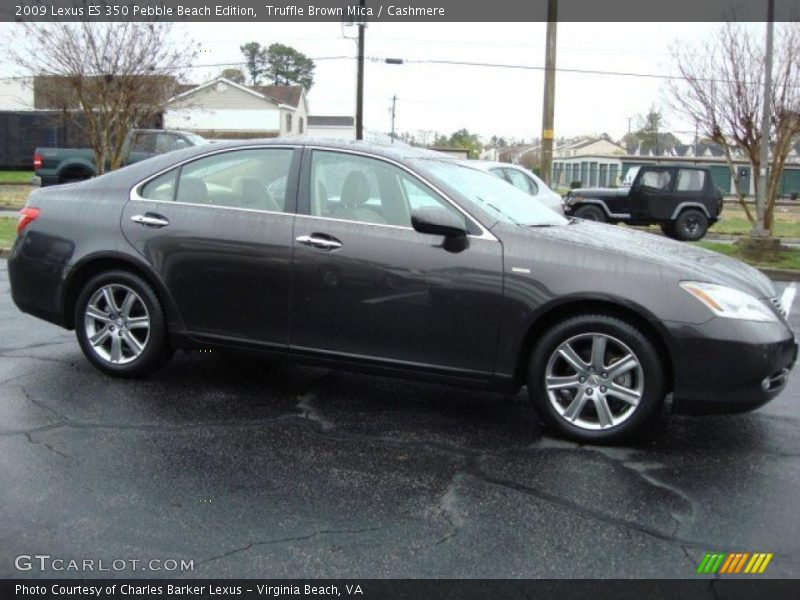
721, 90
107, 77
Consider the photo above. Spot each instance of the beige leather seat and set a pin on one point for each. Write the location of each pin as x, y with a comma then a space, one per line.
355, 194
252, 194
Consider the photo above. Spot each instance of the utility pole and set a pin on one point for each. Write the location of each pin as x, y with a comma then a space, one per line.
548, 106
360, 76
761, 198
394, 106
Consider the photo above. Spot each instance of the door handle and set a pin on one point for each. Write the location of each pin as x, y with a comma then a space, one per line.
318, 242
150, 220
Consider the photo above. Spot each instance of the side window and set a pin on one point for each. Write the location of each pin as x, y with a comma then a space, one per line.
690, 180
166, 142
289, 122
518, 180
253, 179
161, 188
656, 179
534, 185
357, 188
142, 142
300, 125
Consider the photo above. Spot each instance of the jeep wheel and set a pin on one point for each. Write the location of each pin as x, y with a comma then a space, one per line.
691, 225
668, 230
590, 213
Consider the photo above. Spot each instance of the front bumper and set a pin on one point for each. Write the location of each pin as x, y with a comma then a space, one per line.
729, 366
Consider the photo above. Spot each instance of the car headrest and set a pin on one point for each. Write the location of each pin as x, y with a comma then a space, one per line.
355, 190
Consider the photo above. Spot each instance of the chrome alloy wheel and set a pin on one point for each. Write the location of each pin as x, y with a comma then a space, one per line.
117, 324
594, 381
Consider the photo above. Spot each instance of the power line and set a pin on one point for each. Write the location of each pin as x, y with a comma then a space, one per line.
464, 63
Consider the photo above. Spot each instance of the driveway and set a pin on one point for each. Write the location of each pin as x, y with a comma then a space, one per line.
251, 468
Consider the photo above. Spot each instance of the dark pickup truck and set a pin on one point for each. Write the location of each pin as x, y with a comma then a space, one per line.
65, 165
681, 199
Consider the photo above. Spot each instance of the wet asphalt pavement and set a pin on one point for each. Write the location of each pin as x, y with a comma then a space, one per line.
252, 468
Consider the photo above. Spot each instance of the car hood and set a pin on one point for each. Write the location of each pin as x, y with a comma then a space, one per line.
603, 243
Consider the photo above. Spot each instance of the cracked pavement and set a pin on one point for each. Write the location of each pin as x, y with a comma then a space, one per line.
253, 468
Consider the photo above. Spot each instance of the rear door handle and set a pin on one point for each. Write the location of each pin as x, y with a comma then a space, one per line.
150, 220
320, 243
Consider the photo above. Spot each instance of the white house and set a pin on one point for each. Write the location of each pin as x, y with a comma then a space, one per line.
331, 127
16, 94
222, 108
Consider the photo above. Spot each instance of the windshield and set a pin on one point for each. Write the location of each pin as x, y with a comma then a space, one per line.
196, 140
498, 197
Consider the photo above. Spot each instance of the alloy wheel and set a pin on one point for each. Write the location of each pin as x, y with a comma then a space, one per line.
594, 381
117, 324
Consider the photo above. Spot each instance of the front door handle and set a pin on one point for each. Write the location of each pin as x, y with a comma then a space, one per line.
150, 220
320, 243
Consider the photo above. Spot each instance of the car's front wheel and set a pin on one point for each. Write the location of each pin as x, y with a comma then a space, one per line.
120, 325
595, 378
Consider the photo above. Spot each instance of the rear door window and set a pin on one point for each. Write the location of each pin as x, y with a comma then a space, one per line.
252, 179
690, 180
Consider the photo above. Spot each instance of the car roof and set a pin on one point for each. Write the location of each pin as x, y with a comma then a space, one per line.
143, 169
396, 151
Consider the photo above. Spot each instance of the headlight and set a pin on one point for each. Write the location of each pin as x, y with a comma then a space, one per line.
729, 302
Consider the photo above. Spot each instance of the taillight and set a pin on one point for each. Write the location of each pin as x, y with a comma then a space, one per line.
26, 216
37, 161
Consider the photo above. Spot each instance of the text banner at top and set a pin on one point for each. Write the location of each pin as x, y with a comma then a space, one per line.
597, 11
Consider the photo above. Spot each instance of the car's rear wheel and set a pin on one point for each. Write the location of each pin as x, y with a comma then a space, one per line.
595, 378
590, 213
120, 325
691, 225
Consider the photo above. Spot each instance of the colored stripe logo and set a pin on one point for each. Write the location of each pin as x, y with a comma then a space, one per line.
734, 563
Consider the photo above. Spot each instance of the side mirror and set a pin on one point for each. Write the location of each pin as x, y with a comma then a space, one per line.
438, 221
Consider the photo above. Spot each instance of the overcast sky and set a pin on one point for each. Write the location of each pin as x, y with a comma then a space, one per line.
500, 101
488, 101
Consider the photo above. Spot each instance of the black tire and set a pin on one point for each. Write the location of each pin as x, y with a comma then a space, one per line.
590, 213
648, 377
691, 225
74, 176
155, 351
668, 230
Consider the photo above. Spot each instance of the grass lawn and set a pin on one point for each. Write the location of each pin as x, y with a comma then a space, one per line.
789, 259
741, 226
15, 176
13, 197
8, 231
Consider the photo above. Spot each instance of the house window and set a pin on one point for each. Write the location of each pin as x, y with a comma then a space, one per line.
300, 125
288, 121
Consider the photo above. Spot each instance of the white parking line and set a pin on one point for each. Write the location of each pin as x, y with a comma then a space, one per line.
788, 297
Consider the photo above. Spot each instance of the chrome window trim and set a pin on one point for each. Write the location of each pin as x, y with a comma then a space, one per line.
134, 191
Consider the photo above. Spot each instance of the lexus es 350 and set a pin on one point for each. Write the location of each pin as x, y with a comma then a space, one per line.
400, 262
